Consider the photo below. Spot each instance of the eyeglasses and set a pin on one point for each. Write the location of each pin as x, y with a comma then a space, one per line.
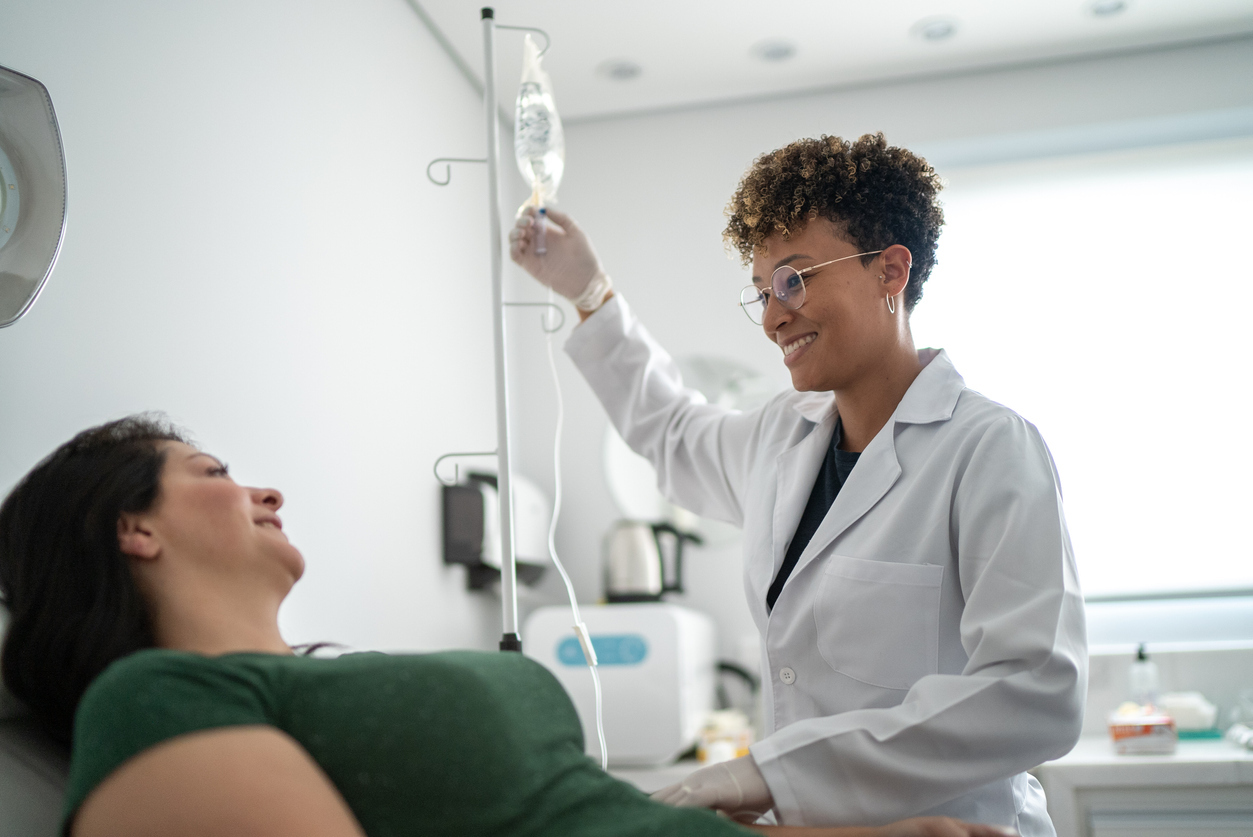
788, 286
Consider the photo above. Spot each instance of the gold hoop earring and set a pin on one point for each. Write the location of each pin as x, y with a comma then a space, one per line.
891, 308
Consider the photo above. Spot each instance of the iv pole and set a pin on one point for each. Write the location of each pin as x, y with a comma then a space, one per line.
510, 639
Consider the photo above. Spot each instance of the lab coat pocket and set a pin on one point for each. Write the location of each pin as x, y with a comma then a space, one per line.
878, 621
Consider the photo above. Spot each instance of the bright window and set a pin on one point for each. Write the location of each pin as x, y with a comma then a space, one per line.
1105, 299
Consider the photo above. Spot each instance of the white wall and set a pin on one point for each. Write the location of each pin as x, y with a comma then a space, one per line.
254, 248
651, 189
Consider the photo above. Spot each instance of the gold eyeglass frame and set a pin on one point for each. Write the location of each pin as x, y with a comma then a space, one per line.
787, 270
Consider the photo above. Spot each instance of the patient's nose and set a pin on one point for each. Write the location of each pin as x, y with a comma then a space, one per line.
270, 497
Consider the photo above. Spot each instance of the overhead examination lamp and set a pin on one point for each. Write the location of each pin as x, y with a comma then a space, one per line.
32, 192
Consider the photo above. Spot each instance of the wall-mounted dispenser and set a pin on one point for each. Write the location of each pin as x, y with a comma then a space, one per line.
471, 529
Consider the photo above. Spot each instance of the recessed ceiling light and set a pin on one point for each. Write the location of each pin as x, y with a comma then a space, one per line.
774, 50
619, 69
935, 29
1107, 8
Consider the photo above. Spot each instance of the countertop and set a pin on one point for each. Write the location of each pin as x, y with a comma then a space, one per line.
1093, 761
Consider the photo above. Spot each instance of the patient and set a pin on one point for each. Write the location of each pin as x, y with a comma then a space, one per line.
144, 586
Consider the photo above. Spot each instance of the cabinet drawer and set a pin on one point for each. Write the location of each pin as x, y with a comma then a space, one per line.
1171, 823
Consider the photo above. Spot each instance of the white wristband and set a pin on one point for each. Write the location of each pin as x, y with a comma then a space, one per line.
594, 294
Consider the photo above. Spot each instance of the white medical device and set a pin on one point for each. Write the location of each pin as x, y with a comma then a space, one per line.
32, 192
657, 662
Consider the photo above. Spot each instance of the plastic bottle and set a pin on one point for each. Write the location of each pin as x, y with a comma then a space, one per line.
1142, 678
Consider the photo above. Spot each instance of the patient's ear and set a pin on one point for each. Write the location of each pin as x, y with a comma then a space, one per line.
135, 539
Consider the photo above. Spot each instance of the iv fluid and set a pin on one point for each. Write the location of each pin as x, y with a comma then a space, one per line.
539, 143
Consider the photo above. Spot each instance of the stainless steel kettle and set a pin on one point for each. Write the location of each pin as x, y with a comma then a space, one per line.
635, 566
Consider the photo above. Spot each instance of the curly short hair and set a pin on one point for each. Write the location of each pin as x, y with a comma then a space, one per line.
877, 195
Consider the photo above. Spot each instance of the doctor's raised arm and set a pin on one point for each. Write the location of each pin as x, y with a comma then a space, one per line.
906, 555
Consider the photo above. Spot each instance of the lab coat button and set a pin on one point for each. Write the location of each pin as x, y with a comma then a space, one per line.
787, 676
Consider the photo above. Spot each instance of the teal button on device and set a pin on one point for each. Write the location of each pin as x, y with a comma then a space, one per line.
611, 650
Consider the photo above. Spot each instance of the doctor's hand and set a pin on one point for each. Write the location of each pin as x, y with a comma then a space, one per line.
735, 786
941, 827
916, 827
570, 266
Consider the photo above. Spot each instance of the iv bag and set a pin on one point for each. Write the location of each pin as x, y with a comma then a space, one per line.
539, 144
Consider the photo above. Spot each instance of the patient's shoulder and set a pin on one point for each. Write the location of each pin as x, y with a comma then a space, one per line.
160, 687
142, 670
150, 697
233, 782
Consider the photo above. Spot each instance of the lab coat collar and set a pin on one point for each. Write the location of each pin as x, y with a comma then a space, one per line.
814, 406
933, 394
931, 397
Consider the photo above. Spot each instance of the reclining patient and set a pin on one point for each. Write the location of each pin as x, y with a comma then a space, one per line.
144, 586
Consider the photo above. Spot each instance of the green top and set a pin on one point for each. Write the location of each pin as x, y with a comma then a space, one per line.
457, 743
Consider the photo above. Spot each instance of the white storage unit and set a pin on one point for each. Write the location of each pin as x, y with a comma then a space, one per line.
1204, 790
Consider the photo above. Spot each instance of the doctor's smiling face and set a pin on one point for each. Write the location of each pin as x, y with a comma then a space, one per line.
844, 330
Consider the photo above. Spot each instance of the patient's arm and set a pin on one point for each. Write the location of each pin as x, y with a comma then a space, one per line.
917, 827
251, 781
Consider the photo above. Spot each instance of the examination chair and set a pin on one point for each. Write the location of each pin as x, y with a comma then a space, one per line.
33, 769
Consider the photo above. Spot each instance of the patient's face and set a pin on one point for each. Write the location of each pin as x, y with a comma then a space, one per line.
205, 518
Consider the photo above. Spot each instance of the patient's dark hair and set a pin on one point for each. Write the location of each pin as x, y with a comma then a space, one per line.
73, 604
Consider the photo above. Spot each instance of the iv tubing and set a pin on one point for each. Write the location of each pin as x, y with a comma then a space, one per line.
510, 639
589, 653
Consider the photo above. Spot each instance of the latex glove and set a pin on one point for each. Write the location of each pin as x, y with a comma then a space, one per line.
570, 267
734, 786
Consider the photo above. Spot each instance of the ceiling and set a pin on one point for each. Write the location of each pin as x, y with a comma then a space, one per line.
689, 52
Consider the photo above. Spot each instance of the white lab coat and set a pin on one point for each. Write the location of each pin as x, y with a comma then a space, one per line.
929, 646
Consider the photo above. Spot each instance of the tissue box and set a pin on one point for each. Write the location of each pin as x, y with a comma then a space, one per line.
1142, 731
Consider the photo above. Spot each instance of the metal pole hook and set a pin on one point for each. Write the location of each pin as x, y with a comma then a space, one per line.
547, 40
447, 168
456, 468
561, 322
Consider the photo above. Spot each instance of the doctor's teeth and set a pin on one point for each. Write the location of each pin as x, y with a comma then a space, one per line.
804, 341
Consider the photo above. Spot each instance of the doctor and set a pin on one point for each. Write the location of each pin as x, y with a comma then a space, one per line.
906, 556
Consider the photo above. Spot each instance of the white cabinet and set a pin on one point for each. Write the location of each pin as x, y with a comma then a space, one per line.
1196, 824
1204, 790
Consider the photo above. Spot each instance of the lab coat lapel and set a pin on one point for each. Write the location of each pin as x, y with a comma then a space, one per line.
877, 470
932, 397
797, 468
